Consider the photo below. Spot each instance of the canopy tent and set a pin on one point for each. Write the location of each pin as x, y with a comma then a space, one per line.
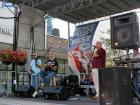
76, 11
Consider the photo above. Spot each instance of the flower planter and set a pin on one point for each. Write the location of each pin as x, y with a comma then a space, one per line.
6, 62
21, 63
8, 56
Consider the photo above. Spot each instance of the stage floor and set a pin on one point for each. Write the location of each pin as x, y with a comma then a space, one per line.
74, 100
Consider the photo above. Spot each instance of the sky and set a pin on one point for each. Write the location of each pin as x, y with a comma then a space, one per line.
63, 27
103, 26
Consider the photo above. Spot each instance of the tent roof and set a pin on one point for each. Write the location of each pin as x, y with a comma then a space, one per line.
82, 10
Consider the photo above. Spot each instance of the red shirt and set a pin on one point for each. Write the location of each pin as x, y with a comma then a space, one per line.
98, 62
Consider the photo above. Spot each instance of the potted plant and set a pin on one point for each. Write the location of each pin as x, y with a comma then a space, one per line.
21, 57
6, 56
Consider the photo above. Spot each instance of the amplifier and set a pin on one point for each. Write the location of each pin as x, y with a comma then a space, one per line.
56, 93
25, 91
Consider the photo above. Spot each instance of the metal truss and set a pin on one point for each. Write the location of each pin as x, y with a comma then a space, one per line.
40, 2
72, 6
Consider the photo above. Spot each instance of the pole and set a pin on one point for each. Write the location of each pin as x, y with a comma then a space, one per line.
68, 35
68, 41
14, 66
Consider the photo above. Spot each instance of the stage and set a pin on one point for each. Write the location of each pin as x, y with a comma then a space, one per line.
73, 100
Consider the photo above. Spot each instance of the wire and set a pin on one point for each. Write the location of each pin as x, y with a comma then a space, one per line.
4, 5
11, 10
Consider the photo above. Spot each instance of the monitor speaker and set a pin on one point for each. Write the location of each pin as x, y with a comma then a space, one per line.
25, 91
125, 31
69, 80
56, 93
115, 86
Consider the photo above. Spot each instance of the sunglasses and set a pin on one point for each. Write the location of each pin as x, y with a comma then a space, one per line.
34, 55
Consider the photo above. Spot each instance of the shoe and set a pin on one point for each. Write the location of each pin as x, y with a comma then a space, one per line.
135, 101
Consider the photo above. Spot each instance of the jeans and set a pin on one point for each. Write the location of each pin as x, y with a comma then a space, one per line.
46, 76
136, 81
43, 75
35, 80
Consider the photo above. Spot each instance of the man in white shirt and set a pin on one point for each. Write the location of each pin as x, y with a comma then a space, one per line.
35, 67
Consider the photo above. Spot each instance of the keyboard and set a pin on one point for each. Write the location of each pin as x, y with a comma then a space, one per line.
122, 61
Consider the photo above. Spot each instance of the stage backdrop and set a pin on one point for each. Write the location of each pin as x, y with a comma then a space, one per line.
80, 45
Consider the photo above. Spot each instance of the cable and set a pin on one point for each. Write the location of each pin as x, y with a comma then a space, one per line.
8, 7
10, 10
4, 1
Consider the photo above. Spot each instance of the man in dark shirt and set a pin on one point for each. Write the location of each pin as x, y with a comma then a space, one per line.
52, 65
49, 70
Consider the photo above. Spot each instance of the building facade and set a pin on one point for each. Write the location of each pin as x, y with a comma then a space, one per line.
55, 45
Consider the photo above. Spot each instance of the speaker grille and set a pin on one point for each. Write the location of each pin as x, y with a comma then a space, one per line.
115, 86
123, 35
125, 31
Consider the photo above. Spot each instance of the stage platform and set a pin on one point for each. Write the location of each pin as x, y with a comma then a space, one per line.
73, 100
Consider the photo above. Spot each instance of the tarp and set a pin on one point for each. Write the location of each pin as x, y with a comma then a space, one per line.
80, 45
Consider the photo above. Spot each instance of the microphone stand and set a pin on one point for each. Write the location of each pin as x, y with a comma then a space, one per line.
127, 54
15, 40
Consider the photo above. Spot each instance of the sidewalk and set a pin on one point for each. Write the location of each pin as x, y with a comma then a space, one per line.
41, 101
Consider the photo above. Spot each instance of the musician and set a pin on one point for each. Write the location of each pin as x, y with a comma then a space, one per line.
50, 70
35, 73
98, 61
99, 56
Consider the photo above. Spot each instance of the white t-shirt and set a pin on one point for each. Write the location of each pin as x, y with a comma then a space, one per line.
35, 69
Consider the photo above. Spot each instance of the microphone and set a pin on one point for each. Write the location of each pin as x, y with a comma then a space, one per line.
94, 48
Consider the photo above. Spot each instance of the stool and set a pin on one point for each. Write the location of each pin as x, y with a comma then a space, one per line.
53, 81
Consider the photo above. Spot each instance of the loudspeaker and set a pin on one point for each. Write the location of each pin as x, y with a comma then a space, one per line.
125, 31
56, 93
115, 86
72, 83
24, 91
69, 80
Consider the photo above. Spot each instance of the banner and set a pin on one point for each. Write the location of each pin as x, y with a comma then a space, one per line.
80, 45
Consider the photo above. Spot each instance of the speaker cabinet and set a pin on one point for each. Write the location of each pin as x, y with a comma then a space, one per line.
25, 91
72, 83
125, 31
56, 93
69, 80
115, 86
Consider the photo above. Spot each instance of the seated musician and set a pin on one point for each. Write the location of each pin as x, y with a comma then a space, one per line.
50, 70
